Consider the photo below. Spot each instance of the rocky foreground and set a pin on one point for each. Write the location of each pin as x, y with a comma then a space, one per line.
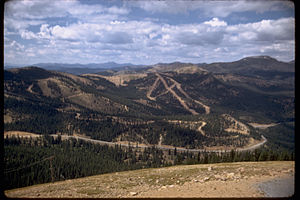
243, 179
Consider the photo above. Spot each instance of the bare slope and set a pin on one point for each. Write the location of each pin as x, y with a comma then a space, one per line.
210, 180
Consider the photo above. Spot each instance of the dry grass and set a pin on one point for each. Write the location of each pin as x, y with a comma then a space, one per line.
209, 180
119, 80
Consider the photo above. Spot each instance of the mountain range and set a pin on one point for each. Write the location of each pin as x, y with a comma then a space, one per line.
176, 104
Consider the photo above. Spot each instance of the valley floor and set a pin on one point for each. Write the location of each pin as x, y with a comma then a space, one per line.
243, 179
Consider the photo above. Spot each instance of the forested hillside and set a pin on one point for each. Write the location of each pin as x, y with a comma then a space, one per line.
202, 108
138, 106
31, 161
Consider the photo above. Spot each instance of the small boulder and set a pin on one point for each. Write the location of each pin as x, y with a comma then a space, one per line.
241, 169
133, 193
230, 175
218, 177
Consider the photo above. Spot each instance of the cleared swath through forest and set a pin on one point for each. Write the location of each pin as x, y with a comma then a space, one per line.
170, 89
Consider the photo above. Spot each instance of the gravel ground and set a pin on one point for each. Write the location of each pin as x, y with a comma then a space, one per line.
220, 180
280, 187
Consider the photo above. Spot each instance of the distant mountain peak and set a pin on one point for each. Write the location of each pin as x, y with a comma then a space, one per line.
260, 57
26, 68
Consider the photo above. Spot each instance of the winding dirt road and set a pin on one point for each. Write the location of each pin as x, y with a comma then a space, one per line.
251, 148
159, 146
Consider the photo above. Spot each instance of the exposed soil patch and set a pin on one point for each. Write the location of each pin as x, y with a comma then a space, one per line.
262, 126
119, 80
235, 125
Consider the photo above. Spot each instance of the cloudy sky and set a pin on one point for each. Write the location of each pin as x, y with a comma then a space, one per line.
146, 32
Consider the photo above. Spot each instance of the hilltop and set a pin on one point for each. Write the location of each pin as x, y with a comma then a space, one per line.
244, 179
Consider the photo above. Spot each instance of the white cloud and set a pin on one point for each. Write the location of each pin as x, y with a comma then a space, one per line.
27, 34
66, 33
282, 29
36, 9
17, 24
151, 40
16, 45
22, 14
44, 31
216, 22
265, 30
99, 33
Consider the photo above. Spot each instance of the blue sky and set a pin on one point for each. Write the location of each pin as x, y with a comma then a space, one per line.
146, 32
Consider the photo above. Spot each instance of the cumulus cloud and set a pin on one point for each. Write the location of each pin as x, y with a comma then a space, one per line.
216, 22
17, 24
99, 32
27, 34
265, 30
35, 9
22, 14
154, 39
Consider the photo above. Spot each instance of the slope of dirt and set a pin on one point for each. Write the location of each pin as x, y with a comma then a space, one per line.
236, 126
207, 180
119, 80
262, 126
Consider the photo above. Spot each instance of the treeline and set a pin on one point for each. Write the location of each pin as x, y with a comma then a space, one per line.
28, 161
25, 162
263, 154
35, 116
